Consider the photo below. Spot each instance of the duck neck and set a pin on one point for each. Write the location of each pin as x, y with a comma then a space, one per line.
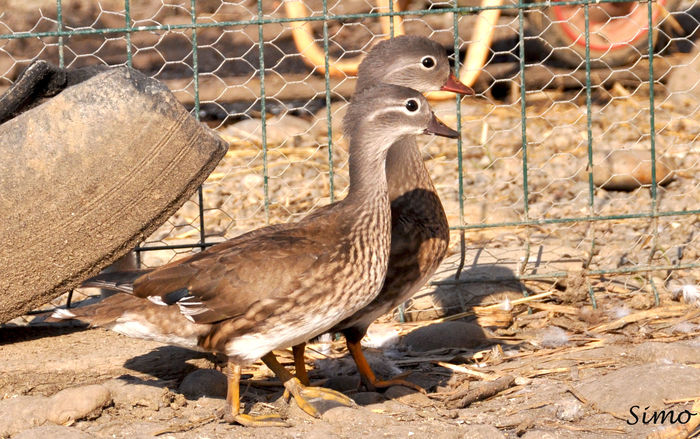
367, 171
405, 170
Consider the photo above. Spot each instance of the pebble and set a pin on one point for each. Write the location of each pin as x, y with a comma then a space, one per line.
343, 383
408, 396
204, 382
642, 301
75, 403
569, 410
378, 362
625, 170
434, 302
367, 398
128, 394
444, 335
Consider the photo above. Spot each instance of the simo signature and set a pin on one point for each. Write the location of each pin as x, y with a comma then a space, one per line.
659, 417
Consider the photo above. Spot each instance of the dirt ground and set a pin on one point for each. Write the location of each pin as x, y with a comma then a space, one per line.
559, 382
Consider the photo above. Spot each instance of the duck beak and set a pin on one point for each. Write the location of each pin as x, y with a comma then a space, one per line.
435, 126
455, 86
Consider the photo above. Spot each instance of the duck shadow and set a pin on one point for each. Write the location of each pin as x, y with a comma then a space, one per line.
10, 334
168, 366
479, 279
170, 363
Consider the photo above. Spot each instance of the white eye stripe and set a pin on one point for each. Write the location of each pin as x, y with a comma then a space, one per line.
373, 115
402, 66
395, 68
403, 108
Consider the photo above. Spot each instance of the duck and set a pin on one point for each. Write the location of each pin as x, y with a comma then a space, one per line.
419, 228
279, 285
420, 232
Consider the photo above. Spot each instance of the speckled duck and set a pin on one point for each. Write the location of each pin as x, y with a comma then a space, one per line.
281, 285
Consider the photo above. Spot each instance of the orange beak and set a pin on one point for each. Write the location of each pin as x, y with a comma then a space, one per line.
455, 86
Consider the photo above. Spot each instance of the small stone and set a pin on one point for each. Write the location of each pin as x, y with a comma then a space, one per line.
482, 431
367, 398
130, 394
408, 396
85, 402
178, 401
445, 335
642, 301
343, 383
625, 170
24, 412
522, 381
204, 382
449, 414
569, 410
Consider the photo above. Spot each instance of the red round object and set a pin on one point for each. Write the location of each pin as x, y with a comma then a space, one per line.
611, 25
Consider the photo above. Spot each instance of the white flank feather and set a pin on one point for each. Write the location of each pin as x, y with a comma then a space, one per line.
157, 300
62, 314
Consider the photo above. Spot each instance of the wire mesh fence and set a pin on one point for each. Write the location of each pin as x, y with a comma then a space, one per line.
577, 165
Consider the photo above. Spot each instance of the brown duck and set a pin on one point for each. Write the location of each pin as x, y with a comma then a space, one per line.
281, 285
419, 229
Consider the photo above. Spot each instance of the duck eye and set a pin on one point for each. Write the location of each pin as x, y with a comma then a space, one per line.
428, 62
411, 105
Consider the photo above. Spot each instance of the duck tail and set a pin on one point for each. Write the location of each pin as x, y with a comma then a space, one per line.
122, 281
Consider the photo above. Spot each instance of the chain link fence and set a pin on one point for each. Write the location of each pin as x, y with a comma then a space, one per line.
578, 166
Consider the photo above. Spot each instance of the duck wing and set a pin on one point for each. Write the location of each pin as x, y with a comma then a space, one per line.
259, 272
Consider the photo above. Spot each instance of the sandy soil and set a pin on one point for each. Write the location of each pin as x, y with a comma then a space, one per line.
567, 384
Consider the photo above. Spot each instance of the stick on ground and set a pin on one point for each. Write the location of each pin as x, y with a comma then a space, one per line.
463, 399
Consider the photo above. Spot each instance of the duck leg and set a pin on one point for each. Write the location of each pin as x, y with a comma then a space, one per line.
313, 400
368, 377
299, 364
233, 404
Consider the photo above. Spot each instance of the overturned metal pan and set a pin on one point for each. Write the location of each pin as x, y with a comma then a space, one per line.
87, 175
